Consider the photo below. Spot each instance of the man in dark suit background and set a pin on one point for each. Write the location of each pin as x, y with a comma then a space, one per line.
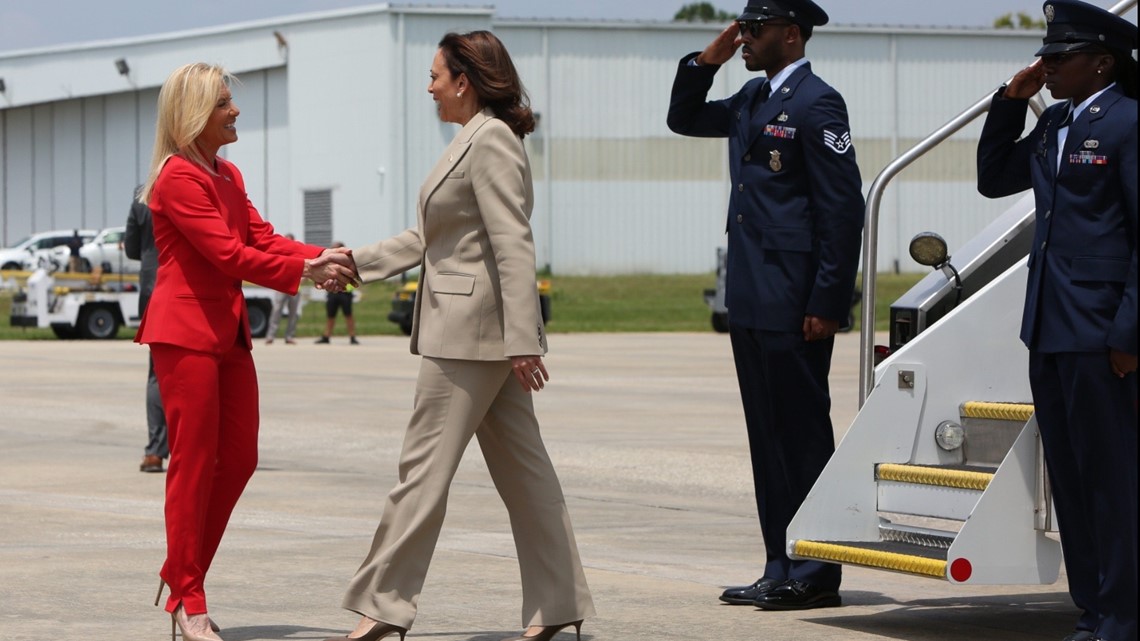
138, 244
795, 224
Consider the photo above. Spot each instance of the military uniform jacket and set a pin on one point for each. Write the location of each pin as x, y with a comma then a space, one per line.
1081, 294
795, 215
477, 297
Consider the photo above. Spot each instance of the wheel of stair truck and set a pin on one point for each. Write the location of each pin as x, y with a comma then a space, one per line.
98, 322
258, 317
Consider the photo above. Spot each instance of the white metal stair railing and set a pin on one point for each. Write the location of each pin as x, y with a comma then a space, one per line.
888, 494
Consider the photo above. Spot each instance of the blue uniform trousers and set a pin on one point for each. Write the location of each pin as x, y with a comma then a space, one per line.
1087, 418
787, 405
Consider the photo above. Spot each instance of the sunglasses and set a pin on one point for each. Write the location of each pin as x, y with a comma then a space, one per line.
1059, 58
1056, 59
754, 27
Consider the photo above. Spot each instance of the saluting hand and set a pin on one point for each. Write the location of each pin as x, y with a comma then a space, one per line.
1027, 82
722, 48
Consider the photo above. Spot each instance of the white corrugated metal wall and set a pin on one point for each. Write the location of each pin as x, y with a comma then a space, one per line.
343, 106
618, 192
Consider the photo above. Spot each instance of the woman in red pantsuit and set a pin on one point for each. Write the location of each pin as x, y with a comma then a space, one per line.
209, 239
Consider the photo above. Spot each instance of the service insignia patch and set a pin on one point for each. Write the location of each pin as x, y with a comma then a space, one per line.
839, 143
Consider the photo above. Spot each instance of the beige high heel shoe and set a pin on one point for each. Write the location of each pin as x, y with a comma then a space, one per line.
157, 597
549, 631
180, 620
378, 631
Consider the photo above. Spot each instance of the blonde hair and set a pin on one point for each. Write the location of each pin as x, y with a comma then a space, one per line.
185, 103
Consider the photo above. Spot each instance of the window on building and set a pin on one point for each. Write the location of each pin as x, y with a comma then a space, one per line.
318, 217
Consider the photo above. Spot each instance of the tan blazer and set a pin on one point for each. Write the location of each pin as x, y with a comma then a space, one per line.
477, 297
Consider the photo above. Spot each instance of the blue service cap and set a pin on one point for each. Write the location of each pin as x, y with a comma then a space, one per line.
1072, 25
804, 12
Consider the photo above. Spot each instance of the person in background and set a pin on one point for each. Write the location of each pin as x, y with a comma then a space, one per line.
210, 239
281, 302
75, 261
342, 302
795, 222
478, 327
138, 244
1080, 317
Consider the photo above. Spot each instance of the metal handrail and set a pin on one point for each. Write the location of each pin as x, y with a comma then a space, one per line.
871, 223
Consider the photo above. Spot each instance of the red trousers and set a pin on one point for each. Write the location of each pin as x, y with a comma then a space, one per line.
211, 406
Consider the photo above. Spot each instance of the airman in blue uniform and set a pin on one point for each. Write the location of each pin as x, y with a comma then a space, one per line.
795, 223
1080, 318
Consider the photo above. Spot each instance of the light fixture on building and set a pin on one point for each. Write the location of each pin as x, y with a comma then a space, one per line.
3, 87
121, 65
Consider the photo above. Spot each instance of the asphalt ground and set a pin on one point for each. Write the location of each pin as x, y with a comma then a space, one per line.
646, 432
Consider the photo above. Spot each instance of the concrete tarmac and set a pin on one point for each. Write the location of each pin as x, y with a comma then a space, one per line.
645, 430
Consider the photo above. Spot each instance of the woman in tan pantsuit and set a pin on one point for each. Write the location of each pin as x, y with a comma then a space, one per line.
478, 327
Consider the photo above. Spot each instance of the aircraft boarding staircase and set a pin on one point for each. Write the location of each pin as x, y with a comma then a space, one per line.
941, 474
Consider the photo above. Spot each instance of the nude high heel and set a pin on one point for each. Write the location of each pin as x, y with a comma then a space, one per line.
378, 631
549, 631
180, 620
157, 597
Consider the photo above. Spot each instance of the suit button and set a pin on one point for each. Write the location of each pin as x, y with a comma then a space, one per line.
740, 187
747, 157
1043, 244
1048, 214
740, 218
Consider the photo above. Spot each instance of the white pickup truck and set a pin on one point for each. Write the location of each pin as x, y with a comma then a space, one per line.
97, 308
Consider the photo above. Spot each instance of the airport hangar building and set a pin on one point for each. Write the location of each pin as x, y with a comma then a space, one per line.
337, 130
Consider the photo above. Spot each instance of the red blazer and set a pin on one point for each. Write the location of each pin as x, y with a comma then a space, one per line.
210, 239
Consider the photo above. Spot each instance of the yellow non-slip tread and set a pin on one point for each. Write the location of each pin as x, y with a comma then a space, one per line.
907, 563
997, 411
936, 476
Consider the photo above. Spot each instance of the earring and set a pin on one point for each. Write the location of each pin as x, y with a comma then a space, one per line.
460, 94
1099, 71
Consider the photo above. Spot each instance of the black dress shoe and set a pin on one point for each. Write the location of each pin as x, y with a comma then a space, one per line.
797, 595
1079, 635
747, 594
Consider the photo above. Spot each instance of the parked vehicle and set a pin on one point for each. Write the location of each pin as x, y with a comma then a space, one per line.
106, 251
37, 248
97, 307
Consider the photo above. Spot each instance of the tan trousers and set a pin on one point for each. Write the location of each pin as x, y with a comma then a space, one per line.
456, 399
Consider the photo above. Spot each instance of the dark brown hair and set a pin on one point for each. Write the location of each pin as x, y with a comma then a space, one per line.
485, 61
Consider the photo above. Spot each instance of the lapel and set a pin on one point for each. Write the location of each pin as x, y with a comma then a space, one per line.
776, 103
1050, 144
451, 157
1081, 128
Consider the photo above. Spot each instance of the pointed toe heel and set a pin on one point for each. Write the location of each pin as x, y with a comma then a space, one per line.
549, 631
379, 631
162, 584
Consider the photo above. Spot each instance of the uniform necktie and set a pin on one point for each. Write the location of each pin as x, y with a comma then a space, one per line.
765, 92
1067, 121
761, 96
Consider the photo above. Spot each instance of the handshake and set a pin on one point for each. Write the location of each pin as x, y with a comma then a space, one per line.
334, 270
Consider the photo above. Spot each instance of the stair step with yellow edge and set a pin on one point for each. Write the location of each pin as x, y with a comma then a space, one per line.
960, 477
990, 429
1019, 412
896, 556
944, 492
